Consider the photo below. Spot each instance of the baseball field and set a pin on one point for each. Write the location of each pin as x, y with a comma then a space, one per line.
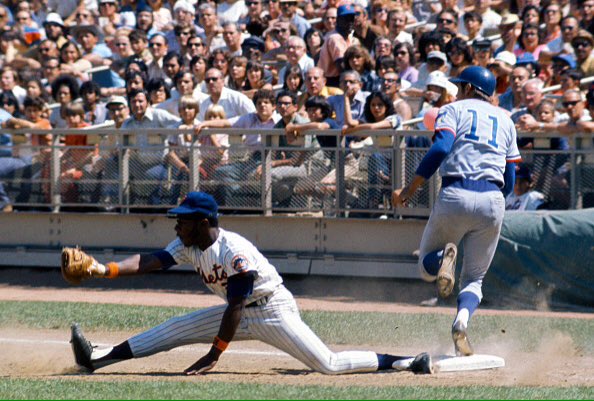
548, 354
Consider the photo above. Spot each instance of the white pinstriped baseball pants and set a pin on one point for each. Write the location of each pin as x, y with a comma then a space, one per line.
277, 323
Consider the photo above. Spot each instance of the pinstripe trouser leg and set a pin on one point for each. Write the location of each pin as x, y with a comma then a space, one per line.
277, 323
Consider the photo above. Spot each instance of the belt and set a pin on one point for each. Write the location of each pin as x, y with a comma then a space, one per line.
258, 302
471, 185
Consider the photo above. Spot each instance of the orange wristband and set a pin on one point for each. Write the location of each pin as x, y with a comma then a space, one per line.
114, 270
220, 344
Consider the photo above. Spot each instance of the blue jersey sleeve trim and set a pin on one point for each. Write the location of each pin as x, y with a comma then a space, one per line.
450, 130
166, 259
436, 154
509, 177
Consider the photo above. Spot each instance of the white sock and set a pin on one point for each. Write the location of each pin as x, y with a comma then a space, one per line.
462, 316
100, 353
402, 364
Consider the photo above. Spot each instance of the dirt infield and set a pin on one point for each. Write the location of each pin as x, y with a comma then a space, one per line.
556, 362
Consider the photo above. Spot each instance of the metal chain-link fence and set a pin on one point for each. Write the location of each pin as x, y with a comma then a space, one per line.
110, 173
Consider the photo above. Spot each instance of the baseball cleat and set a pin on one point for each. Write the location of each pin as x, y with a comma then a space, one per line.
461, 342
81, 348
446, 277
422, 364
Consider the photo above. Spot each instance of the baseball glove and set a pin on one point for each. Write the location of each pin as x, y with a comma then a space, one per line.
77, 265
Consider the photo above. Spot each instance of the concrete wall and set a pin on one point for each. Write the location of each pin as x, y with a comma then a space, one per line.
299, 245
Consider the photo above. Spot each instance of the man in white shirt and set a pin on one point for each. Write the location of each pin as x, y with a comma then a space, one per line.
146, 160
235, 103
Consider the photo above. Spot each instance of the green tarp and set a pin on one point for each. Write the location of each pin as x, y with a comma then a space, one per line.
544, 260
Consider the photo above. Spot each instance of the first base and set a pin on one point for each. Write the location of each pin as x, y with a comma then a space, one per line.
450, 363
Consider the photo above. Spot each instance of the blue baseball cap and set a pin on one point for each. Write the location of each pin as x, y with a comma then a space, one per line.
345, 9
528, 59
195, 205
567, 59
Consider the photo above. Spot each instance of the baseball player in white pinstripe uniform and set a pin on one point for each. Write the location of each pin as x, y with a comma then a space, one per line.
258, 306
475, 150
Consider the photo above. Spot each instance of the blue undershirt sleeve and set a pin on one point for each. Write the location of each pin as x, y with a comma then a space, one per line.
241, 285
442, 145
509, 178
166, 259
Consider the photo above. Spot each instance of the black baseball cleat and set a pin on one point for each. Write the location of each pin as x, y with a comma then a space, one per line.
461, 342
81, 348
422, 364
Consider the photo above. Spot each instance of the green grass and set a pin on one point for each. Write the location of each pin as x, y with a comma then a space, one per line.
381, 329
334, 327
76, 389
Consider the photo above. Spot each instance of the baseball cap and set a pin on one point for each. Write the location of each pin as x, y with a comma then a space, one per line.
452, 89
185, 6
54, 18
253, 42
195, 204
345, 9
509, 19
117, 100
158, 33
583, 34
507, 57
436, 54
528, 59
482, 43
437, 78
143, 7
566, 58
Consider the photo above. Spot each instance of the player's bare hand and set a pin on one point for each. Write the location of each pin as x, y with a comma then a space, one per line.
202, 365
400, 197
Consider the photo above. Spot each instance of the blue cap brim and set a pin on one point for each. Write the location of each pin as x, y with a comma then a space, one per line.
182, 211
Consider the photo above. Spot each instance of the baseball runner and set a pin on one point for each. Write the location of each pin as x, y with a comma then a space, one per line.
258, 306
475, 150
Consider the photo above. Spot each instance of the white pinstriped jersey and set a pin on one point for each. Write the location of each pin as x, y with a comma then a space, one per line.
229, 255
485, 139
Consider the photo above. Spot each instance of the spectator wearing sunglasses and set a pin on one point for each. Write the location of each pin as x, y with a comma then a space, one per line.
582, 45
562, 45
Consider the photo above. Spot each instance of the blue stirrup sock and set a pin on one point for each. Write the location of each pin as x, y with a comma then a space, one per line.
431, 262
467, 304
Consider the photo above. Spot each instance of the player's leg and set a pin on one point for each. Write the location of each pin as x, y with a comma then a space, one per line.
280, 325
197, 327
479, 248
446, 226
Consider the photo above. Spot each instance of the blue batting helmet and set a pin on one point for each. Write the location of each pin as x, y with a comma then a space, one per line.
479, 77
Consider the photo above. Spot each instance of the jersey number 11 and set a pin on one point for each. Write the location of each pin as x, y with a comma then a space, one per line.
494, 126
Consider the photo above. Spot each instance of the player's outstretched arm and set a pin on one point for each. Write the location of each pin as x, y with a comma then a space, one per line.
77, 265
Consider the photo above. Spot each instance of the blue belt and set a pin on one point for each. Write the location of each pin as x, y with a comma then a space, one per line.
471, 185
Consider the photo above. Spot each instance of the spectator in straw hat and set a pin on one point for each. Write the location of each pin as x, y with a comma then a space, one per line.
583, 43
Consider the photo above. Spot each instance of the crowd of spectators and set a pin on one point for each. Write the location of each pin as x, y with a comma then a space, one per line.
296, 65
